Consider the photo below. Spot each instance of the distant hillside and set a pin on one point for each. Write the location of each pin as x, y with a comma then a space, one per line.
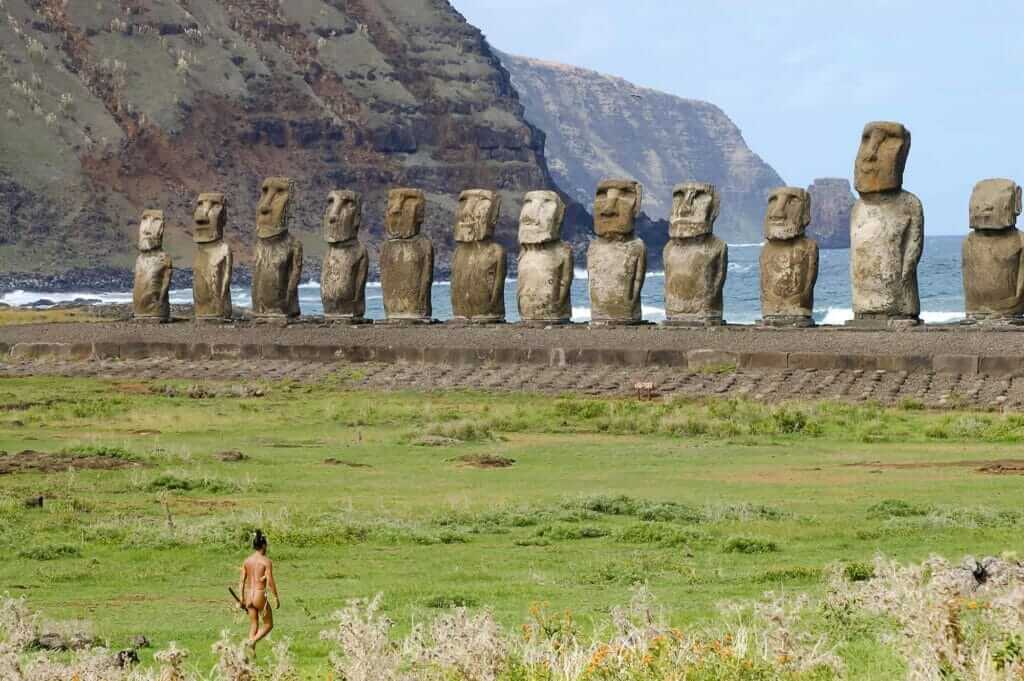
831, 203
600, 126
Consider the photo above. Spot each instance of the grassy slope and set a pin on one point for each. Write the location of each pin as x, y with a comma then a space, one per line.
421, 528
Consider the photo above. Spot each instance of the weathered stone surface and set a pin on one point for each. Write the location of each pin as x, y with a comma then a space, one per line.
886, 229
789, 260
616, 260
406, 259
150, 299
696, 261
211, 269
346, 263
831, 203
545, 265
993, 252
479, 264
277, 265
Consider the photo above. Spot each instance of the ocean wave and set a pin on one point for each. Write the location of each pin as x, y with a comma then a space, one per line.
580, 274
757, 245
650, 313
837, 316
21, 298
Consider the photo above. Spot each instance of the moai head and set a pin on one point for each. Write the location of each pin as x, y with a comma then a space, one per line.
404, 213
789, 213
343, 217
274, 209
477, 215
616, 206
151, 230
695, 207
541, 218
995, 204
881, 158
210, 217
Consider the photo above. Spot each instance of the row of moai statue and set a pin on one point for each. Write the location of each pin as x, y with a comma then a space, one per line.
886, 228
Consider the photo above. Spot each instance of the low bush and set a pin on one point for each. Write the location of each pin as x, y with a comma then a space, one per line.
749, 545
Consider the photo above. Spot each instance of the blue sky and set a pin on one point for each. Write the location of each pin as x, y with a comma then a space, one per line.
801, 78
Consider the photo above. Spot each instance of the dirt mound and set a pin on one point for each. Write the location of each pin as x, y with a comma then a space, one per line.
331, 461
484, 461
30, 461
230, 455
992, 466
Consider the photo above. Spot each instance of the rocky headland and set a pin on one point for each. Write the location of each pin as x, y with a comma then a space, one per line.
831, 202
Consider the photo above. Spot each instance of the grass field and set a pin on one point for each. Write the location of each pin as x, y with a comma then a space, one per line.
491, 501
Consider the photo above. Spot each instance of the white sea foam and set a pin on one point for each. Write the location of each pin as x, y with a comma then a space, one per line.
757, 245
651, 313
580, 274
837, 316
20, 298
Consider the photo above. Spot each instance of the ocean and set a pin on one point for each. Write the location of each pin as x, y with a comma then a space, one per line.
939, 275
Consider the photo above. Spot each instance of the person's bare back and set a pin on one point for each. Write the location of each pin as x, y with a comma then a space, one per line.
257, 579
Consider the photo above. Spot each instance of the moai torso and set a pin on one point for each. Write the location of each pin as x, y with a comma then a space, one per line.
211, 269
479, 262
277, 266
789, 260
992, 253
346, 263
406, 259
545, 264
886, 229
616, 260
152, 284
695, 260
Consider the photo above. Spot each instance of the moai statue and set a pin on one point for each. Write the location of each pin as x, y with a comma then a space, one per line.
696, 261
789, 260
278, 262
150, 293
886, 231
343, 275
211, 270
616, 260
993, 253
479, 263
544, 281
406, 259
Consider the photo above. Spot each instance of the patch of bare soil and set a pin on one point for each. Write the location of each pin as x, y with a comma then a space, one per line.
1005, 466
484, 461
331, 461
31, 461
230, 455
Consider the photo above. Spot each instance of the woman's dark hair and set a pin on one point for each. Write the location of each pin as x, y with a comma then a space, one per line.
259, 541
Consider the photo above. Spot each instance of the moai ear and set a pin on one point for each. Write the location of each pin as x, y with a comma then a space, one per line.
639, 198
805, 216
495, 209
716, 204
1017, 201
559, 211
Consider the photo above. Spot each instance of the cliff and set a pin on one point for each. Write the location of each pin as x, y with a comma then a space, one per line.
112, 107
599, 126
831, 202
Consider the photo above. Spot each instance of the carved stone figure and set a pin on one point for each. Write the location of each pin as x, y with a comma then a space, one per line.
346, 263
993, 252
278, 263
616, 260
150, 293
696, 261
479, 263
886, 231
789, 260
211, 270
545, 265
406, 259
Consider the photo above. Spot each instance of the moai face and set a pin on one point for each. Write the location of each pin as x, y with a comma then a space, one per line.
274, 209
995, 204
882, 157
541, 218
210, 217
477, 215
151, 230
789, 213
343, 217
695, 207
616, 207
404, 213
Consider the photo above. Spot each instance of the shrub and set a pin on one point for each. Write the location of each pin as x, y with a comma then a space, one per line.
895, 508
749, 545
858, 572
50, 552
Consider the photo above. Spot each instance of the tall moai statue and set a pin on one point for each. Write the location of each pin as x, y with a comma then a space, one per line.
406, 259
150, 292
211, 269
992, 254
545, 265
616, 259
789, 260
696, 261
886, 231
278, 262
346, 263
479, 262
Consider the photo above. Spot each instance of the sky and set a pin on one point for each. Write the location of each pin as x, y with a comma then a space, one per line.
801, 78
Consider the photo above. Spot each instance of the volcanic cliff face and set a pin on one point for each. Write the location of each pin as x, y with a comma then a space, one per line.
831, 203
112, 106
598, 126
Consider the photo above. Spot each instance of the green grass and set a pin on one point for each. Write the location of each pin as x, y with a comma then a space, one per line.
702, 500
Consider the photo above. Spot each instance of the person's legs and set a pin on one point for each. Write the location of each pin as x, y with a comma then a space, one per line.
254, 621
268, 624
